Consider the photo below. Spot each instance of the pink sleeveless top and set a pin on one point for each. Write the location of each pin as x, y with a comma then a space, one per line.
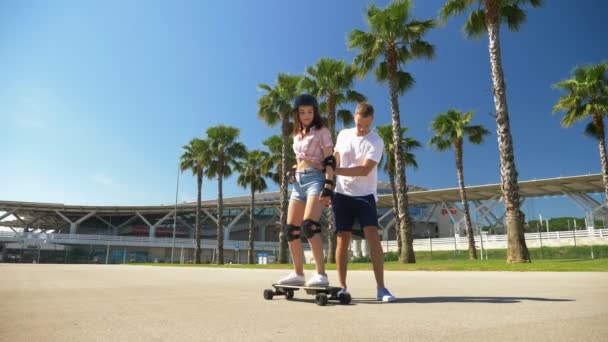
310, 146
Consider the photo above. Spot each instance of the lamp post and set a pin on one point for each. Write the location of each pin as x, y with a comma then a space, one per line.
175, 214
540, 234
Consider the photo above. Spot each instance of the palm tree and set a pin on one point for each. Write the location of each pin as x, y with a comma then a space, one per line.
487, 15
451, 128
274, 107
331, 81
388, 163
252, 170
274, 145
225, 152
587, 97
196, 158
394, 39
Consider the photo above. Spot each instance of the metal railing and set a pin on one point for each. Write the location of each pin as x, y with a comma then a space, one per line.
103, 239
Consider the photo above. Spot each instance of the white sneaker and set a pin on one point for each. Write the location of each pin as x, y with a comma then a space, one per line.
343, 291
292, 279
318, 280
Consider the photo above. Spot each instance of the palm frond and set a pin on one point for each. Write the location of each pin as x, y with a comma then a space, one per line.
586, 94
405, 81
452, 8
354, 97
440, 143
513, 16
452, 126
475, 26
345, 116
422, 49
593, 131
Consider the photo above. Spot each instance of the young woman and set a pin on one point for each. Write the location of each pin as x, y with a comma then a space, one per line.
312, 189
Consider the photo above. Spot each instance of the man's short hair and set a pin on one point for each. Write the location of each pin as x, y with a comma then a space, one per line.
365, 109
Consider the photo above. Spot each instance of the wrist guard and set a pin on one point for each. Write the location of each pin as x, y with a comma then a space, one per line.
327, 193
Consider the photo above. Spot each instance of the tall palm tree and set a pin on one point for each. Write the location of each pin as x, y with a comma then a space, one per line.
394, 39
274, 107
331, 81
225, 152
451, 128
196, 158
486, 16
274, 145
587, 97
388, 163
252, 170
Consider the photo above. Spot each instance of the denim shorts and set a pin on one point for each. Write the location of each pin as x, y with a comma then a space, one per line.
308, 182
348, 208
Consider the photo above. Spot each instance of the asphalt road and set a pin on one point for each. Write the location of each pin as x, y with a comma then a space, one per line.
144, 303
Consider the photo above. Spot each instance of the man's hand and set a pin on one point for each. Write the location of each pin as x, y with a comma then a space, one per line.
291, 176
325, 200
328, 192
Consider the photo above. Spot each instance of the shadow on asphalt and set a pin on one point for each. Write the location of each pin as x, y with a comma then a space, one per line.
459, 299
433, 300
309, 301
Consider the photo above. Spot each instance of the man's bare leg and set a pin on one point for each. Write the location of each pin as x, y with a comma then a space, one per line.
376, 253
342, 244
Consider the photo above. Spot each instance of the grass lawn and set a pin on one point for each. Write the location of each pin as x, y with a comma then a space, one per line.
561, 265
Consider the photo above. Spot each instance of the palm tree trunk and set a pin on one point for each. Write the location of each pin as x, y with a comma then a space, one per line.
283, 209
598, 122
331, 237
251, 207
407, 252
517, 251
331, 115
391, 178
463, 199
197, 219
220, 210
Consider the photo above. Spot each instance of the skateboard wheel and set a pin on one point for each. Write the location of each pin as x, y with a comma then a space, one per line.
268, 294
321, 299
344, 298
289, 294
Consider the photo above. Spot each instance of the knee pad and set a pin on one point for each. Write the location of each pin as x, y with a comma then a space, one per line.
291, 232
310, 228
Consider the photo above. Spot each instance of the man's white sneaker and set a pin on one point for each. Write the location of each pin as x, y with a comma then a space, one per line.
318, 280
292, 279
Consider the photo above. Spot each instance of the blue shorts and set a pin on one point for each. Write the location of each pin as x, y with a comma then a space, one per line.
348, 208
308, 182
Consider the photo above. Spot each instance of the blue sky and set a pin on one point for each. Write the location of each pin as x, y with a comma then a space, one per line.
98, 97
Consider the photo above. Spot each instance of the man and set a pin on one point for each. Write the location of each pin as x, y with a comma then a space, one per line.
358, 151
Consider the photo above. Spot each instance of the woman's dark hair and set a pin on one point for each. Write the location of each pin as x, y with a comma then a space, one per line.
306, 100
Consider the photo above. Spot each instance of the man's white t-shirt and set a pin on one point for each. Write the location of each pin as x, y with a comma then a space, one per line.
354, 150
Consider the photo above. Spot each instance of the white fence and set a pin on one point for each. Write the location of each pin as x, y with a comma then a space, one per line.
563, 238
545, 239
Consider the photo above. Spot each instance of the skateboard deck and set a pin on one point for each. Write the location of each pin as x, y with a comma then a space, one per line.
322, 293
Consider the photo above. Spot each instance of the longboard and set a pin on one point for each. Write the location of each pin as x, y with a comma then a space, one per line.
322, 293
